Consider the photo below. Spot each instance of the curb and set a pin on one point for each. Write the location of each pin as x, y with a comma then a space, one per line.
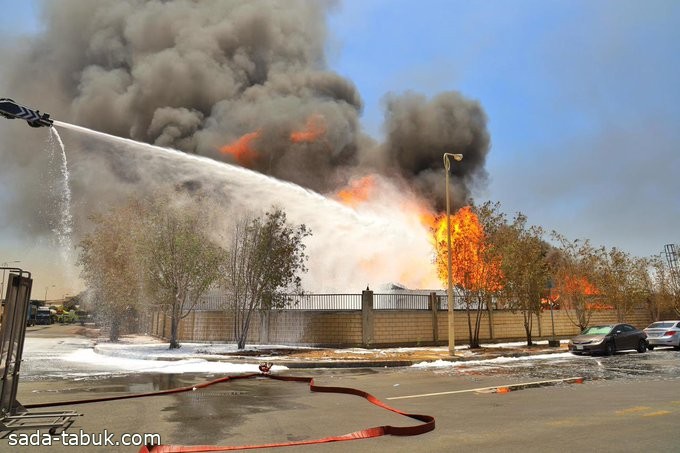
349, 364
335, 362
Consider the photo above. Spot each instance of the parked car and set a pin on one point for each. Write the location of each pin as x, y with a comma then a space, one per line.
607, 339
30, 316
43, 316
66, 316
663, 333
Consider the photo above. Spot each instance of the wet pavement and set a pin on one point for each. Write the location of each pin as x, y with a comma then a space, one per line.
659, 365
634, 395
641, 409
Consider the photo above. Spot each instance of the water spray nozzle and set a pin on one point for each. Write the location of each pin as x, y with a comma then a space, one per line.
10, 110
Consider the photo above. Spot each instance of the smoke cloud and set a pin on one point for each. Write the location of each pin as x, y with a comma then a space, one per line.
419, 132
199, 75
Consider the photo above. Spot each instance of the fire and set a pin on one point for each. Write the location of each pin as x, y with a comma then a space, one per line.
580, 285
242, 149
576, 286
471, 268
314, 128
358, 191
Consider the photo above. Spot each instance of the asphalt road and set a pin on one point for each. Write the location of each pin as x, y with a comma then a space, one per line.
628, 402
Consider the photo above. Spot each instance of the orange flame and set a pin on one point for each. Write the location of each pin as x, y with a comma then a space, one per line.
580, 285
470, 268
358, 191
575, 285
314, 128
242, 149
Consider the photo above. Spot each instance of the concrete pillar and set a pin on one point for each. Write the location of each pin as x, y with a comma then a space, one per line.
367, 317
264, 326
433, 304
489, 307
163, 334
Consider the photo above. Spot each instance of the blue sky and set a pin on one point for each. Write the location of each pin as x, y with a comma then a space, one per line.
582, 99
581, 96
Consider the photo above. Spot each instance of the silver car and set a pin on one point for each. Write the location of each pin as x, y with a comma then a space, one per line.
663, 333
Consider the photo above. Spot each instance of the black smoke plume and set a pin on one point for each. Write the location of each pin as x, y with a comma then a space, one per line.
198, 75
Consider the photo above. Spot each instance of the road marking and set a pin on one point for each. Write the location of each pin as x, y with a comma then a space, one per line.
656, 414
628, 370
632, 410
497, 388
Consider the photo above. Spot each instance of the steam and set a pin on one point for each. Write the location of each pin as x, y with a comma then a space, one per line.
197, 75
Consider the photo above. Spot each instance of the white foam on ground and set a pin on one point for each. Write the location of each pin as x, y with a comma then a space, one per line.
494, 361
136, 365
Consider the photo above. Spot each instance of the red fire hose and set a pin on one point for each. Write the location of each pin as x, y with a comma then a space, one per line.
377, 431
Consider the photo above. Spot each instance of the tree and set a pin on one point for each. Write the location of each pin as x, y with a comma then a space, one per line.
615, 281
110, 267
666, 289
524, 267
265, 257
476, 266
573, 266
180, 260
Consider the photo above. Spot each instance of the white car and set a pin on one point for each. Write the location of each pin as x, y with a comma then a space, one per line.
663, 333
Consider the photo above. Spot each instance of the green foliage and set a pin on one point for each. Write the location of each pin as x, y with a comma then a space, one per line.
665, 294
266, 257
525, 268
573, 267
180, 260
109, 266
160, 248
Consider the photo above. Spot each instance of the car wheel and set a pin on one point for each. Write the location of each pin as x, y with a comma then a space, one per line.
650, 347
642, 346
609, 348
677, 348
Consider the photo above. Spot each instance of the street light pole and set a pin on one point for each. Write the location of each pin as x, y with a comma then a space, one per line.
46, 288
447, 167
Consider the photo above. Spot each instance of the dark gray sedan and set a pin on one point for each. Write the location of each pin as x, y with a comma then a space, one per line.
607, 339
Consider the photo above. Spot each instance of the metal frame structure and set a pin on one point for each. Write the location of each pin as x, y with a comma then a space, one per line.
672, 254
13, 415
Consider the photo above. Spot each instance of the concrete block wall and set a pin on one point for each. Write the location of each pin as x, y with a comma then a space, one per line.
315, 327
510, 326
402, 327
389, 327
203, 326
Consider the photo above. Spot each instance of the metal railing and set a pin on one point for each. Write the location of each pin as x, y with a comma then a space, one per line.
381, 301
214, 302
401, 301
324, 302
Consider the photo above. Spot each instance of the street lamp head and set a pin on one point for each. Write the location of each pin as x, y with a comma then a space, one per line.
447, 162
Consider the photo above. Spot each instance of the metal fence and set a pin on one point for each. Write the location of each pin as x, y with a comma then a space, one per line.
401, 301
324, 302
212, 302
381, 301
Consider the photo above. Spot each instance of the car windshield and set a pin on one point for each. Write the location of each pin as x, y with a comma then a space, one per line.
661, 325
597, 330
